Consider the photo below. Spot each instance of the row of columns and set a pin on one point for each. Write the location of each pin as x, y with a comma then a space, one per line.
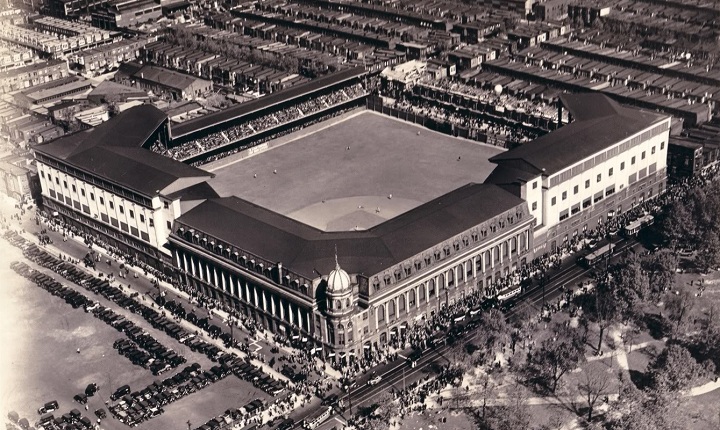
248, 292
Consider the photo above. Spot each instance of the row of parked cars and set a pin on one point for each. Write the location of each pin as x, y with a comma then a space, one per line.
229, 363
234, 415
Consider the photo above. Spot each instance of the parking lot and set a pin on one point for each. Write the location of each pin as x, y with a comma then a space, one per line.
43, 362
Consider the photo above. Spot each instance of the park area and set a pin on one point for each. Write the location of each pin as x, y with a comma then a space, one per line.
359, 171
655, 369
54, 351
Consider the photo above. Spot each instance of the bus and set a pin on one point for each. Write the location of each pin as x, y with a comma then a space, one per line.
509, 292
595, 257
317, 418
634, 227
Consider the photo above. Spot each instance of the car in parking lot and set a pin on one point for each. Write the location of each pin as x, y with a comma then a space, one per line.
48, 407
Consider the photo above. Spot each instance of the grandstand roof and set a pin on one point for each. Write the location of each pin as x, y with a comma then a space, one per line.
235, 112
114, 151
599, 122
306, 250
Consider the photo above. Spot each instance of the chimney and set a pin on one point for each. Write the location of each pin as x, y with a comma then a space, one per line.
559, 103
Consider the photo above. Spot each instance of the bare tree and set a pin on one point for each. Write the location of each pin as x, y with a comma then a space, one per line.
487, 389
593, 385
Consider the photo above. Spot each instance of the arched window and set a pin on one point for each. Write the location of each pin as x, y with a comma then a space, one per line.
401, 305
411, 298
460, 272
451, 277
422, 298
391, 309
381, 313
347, 302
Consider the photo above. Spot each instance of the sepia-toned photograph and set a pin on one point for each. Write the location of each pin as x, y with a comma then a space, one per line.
359, 215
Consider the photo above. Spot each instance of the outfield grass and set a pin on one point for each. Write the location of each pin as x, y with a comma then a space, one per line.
386, 157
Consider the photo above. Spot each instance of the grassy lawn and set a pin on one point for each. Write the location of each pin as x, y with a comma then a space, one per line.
438, 419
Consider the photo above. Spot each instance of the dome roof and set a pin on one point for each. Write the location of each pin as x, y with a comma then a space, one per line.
338, 280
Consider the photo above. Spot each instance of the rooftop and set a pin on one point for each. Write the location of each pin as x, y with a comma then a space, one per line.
307, 250
114, 150
599, 123
390, 168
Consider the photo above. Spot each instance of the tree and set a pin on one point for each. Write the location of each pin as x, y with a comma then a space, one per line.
660, 268
487, 389
493, 332
708, 256
674, 370
677, 226
603, 308
555, 357
679, 304
593, 384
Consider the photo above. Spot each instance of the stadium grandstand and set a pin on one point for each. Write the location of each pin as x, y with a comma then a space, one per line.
240, 126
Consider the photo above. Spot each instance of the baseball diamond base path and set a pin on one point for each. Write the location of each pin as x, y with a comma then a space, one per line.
355, 171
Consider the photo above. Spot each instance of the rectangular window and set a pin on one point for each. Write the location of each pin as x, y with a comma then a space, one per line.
652, 150
534, 206
73, 188
65, 184
169, 225
122, 209
57, 180
662, 145
622, 166
112, 205
587, 203
166, 205
576, 189
52, 193
535, 185
151, 223
553, 201
587, 184
564, 215
124, 227
102, 200
599, 177
575, 209
104, 217
598, 197
42, 174
92, 196
134, 231
144, 236
642, 156
132, 214
142, 218
564, 195
610, 172
632, 161
82, 192
86, 209
610, 190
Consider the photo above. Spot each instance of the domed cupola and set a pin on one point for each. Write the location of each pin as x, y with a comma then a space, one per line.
339, 290
338, 281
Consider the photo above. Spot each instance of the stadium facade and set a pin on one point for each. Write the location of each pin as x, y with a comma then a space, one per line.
349, 292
